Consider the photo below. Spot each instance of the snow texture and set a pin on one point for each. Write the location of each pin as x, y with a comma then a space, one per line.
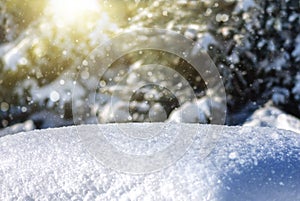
270, 116
16, 128
198, 111
246, 163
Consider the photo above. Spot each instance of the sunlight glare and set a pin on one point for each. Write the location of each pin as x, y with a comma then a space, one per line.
67, 12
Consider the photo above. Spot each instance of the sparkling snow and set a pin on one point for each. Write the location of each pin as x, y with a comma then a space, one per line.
245, 163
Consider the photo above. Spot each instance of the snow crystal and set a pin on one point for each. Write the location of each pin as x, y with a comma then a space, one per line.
85, 63
54, 96
233, 155
61, 82
23, 109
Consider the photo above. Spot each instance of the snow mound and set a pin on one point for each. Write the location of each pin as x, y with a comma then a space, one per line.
197, 111
270, 116
245, 163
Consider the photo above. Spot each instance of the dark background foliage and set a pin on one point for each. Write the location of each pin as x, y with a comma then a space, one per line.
254, 44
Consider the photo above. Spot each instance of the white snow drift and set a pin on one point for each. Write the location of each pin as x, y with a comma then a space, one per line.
243, 163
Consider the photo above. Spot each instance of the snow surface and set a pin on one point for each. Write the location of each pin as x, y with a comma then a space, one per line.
270, 116
196, 111
244, 163
16, 128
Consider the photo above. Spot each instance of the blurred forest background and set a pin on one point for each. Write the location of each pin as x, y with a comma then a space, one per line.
43, 44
